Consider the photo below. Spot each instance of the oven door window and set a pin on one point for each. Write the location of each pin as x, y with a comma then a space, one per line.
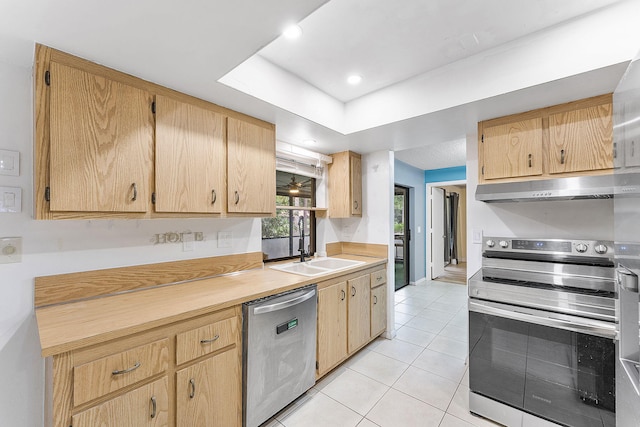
560, 375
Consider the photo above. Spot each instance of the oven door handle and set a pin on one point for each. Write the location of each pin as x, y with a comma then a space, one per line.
627, 279
538, 317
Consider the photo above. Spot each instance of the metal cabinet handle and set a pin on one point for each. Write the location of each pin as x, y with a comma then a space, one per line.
213, 196
343, 295
153, 407
135, 192
633, 148
530, 156
192, 388
353, 291
615, 150
375, 299
210, 341
126, 371
355, 204
237, 196
562, 157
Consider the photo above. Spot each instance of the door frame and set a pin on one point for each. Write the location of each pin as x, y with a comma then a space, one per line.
429, 186
406, 249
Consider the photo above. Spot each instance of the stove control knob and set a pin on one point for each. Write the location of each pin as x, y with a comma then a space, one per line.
601, 249
582, 248
504, 244
490, 243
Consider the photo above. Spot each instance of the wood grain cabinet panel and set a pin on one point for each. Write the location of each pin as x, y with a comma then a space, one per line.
332, 326
358, 291
378, 310
108, 374
190, 158
208, 394
378, 277
581, 139
146, 406
101, 143
345, 185
251, 169
206, 339
513, 149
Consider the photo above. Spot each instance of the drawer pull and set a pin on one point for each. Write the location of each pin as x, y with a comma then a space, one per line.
126, 371
192, 388
215, 338
153, 407
375, 300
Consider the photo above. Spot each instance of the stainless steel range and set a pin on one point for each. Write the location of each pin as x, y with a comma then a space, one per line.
541, 333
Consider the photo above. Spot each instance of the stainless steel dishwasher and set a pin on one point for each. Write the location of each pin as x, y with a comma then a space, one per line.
279, 352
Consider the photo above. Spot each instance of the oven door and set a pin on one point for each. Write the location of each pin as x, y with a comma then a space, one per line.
557, 367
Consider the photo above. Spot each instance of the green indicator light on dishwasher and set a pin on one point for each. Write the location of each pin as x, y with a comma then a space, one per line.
292, 323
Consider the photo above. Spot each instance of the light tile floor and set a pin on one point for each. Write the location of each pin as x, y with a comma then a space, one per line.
419, 378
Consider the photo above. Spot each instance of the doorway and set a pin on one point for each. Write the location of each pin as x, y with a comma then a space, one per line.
402, 235
448, 231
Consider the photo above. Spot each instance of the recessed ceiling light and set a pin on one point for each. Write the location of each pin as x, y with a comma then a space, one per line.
309, 141
354, 79
292, 32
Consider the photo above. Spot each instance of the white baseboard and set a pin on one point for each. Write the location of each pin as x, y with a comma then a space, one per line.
417, 282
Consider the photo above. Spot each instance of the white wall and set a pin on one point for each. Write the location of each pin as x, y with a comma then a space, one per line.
54, 247
579, 219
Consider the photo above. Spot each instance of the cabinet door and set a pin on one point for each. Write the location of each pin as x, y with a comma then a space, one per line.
581, 139
358, 291
378, 310
208, 393
146, 406
513, 149
190, 158
332, 326
251, 168
101, 140
356, 185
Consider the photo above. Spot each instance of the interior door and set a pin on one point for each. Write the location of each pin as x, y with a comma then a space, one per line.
437, 232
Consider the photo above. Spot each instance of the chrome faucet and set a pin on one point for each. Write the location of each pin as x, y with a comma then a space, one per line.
301, 245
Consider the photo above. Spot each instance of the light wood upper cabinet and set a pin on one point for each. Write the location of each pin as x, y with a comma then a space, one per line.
147, 406
345, 185
251, 168
513, 149
359, 292
101, 143
571, 139
581, 139
332, 326
190, 158
208, 393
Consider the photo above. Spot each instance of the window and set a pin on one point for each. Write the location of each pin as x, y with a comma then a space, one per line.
281, 234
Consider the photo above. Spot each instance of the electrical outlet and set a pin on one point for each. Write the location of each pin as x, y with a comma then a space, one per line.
10, 250
224, 239
477, 236
11, 199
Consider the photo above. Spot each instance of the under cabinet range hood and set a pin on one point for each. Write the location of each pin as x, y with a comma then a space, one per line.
582, 187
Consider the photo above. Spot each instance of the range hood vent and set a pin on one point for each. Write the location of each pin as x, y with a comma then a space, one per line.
583, 187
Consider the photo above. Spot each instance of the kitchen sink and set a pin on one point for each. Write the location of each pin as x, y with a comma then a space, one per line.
315, 267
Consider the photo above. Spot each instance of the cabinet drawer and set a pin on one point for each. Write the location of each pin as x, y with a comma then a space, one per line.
378, 278
102, 376
205, 339
147, 406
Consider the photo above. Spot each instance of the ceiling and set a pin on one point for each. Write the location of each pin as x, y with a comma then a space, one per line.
431, 69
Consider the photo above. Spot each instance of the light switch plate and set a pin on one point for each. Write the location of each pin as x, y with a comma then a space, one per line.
224, 239
9, 163
11, 199
477, 236
10, 250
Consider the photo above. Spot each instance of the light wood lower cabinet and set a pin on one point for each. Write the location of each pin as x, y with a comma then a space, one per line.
332, 326
348, 318
147, 406
359, 311
188, 373
207, 392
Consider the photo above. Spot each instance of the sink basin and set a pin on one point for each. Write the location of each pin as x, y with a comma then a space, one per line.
317, 266
334, 263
